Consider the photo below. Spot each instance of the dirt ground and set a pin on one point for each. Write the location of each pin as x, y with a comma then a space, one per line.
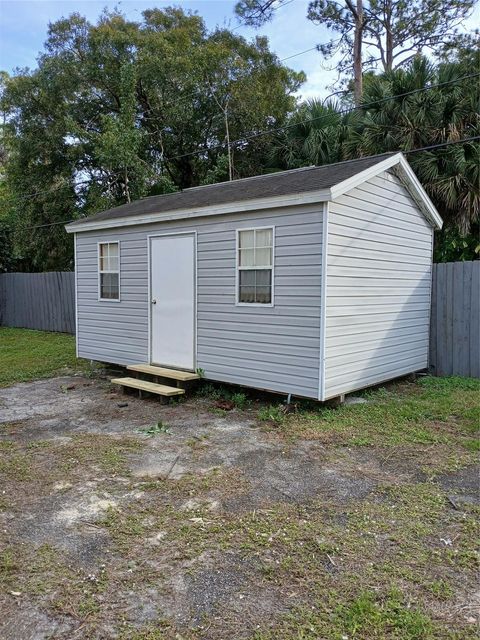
213, 526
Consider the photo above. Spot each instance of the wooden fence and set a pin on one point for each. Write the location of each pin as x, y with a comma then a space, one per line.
44, 301
455, 319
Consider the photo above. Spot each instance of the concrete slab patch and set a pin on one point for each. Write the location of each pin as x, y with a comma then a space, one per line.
22, 622
464, 484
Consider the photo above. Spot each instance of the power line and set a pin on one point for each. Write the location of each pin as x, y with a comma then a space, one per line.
427, 148
442, 144
300, 53
362, 107
295, 124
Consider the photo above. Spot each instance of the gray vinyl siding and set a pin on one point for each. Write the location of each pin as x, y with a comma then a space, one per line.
378, 286
275, 348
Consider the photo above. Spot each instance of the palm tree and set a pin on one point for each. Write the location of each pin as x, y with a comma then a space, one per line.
392, 121
314, 134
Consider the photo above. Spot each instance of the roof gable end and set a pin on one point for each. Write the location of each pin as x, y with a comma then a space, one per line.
400, 167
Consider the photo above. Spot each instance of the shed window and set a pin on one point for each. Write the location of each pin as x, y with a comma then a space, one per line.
255, 266
109, 270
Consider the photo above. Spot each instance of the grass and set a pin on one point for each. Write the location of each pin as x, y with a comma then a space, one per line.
238, 399
28, 355
155, 429
383, 575
443, 412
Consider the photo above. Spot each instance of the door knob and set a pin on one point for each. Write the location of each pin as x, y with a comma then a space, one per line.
154, 301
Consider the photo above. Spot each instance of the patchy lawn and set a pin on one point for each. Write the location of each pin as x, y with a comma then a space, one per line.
29, 355
440, 416
220, 516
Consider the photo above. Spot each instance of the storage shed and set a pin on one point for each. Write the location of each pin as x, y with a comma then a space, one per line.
313, 282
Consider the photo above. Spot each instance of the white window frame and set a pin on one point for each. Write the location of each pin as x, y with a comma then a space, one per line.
238, 268
99, 271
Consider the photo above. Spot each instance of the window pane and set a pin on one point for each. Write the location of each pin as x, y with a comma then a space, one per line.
247, 257
263, 257
113, 256
246, 294
255, 286
247, 278
109, 286
109, 257
102, 253
263, 278
247, 286
246, 239
263, 238
263, 295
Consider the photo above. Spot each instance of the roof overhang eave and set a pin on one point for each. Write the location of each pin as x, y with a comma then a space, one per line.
237, 206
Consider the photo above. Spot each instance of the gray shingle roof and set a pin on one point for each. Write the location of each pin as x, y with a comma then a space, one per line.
264, 186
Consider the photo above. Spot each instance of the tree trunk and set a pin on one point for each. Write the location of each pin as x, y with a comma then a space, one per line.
357, 53
388, 37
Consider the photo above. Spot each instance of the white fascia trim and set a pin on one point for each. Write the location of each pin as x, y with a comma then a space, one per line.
182, 214
408, 178
323, 303
412, 183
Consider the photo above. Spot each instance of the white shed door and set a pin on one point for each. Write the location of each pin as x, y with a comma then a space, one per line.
172, 304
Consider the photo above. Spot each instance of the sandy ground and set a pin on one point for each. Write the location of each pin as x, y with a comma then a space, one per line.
70, 481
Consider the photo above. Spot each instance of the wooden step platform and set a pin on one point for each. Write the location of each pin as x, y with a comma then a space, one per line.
162, 372
151, 387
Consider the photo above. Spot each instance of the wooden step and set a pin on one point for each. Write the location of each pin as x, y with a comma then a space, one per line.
162, 372
151, 387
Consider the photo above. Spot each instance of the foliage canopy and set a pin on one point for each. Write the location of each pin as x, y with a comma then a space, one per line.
118, 110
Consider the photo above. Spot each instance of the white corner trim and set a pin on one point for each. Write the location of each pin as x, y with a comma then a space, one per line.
323, 303
409, 179
229, 207
76, 291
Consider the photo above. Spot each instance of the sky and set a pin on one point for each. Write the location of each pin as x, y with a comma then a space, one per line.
24, 25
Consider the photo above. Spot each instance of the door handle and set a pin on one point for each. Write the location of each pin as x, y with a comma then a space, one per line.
154, 301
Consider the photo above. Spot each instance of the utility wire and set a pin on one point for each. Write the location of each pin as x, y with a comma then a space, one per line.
362, 107
295, 124
427, 148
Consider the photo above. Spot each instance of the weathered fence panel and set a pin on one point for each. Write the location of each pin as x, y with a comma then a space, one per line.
44, 301
455, 319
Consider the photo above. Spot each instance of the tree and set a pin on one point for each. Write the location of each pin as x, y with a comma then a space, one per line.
393, 31
315, 134
443, 108
385, 33
120, 109
440, 114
